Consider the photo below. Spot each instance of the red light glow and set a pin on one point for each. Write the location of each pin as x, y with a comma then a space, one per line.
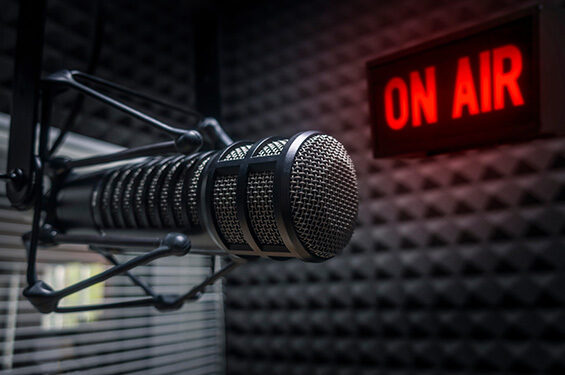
396, 122
424, 99
480, 87
465, 94
486, 81
507, 80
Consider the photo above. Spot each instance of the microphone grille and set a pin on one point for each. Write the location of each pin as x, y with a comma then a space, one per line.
225, 207
260, 198
290, 198
323, 195
237, 153
271, 148
224, 200
261, 207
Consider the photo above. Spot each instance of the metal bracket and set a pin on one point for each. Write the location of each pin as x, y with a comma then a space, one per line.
25, 99
46, 300
184, 141
26, 167
39, 293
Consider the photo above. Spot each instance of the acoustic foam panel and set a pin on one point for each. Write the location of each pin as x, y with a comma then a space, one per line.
146, 46
456, 266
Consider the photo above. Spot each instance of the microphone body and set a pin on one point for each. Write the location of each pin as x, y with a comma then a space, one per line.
277, 198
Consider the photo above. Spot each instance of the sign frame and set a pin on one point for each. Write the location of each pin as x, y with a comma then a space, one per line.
504, 134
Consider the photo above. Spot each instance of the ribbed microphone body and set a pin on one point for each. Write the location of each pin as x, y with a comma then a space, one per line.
276, 198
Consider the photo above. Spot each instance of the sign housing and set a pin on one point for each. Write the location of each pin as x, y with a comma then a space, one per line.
474, 88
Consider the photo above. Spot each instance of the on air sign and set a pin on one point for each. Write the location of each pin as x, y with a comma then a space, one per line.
475, 88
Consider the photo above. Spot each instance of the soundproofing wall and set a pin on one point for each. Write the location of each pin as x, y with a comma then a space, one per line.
457, 262
145, 45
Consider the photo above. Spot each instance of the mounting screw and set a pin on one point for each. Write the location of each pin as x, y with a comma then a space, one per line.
47, 235
16, 177
167, 302
178, 243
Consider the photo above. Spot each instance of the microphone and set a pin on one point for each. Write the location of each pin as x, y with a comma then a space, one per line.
277, 198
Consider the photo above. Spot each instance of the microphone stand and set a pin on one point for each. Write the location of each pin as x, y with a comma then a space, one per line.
26, 169
39, 293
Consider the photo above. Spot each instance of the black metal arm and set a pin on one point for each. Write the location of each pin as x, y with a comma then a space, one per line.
25, 99
47, 300
184, 141
68, 79
40, 294
27, 168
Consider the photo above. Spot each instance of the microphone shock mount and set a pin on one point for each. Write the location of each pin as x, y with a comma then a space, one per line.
185, 142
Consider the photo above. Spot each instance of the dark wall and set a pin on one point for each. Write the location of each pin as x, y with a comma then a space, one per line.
456, 266
146, 45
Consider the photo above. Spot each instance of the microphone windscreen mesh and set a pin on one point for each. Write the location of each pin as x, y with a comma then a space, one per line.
271, 148
276, 198
237, 153
261, 207
225, 207
323, 195
258, 199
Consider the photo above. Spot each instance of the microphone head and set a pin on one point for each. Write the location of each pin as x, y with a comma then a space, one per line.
323, 195
281, 198
275, 198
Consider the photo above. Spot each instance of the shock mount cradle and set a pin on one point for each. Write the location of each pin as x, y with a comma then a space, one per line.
39, 293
